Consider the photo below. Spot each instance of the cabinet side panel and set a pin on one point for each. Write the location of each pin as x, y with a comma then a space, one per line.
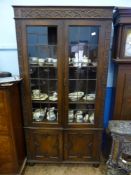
7, 162
17, 123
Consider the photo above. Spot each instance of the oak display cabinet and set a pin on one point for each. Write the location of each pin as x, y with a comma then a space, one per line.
63, 60
122, 58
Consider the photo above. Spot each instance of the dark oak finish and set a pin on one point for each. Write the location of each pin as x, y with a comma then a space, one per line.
12, 150
81, 145
122, 25
122, 108
61, 141
45, 145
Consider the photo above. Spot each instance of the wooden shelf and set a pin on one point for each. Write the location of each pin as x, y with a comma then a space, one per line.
122, 61
44, 101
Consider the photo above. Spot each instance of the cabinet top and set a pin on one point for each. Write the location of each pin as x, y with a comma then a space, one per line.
122, 15
8, 85
64, 12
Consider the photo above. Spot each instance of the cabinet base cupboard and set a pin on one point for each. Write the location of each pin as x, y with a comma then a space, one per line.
63, 60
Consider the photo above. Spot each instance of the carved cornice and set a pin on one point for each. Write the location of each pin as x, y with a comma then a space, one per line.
62, 12
122, 16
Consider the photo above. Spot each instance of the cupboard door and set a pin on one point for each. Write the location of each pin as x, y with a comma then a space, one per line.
122, 108
44, 70
81, 145
45, 145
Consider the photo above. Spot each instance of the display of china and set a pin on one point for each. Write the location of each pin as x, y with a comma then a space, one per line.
42, 96
55, 62
49, 60
77, 62
54, 96
74, 96
51, 114
37, 95
36, 92
85, 61
41, 61
33, 60
94, 63
39, 114
70, 115
52, 61
70, 60
91, 118
89, 97
86, 118
79, 116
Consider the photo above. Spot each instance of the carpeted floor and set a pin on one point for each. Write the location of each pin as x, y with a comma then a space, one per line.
66, 169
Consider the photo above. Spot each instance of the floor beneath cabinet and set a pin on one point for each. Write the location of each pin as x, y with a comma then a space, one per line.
66, 169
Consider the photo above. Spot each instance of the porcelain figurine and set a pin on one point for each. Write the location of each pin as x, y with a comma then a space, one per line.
86, 118
91, 118
70, 115
51, 114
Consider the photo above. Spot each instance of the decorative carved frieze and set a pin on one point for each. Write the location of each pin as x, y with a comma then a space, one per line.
62, 12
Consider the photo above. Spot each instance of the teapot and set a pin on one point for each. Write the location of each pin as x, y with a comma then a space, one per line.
39, 114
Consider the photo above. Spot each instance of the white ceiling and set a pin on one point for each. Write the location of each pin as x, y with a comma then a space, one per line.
125, 3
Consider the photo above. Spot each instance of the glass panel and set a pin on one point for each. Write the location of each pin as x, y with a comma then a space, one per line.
83, 53
128, 44
42, 54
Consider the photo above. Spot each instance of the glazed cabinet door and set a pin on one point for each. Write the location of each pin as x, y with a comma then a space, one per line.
82, 145
83, 73
45, 145
43, 72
